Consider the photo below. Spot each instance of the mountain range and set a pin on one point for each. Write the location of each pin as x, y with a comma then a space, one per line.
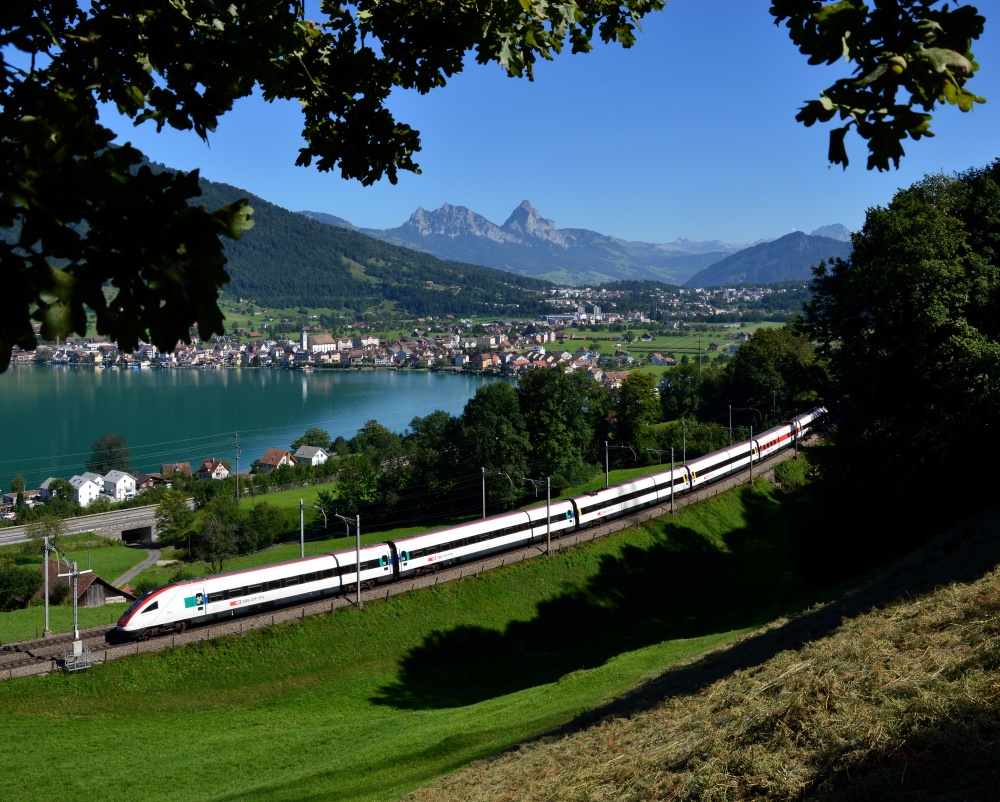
532, 245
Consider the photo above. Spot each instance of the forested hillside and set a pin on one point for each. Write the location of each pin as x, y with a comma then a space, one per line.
290, 260
789, 258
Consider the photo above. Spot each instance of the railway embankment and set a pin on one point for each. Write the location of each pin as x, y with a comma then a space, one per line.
44, 655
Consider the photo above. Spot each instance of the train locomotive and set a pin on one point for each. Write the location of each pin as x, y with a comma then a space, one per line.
173, 607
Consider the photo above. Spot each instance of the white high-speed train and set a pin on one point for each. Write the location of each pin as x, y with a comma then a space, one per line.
173, 607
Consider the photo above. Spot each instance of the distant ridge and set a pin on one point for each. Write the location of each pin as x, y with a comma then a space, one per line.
788, 258
532, 245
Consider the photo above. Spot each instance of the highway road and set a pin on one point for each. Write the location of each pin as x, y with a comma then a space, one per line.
104, 524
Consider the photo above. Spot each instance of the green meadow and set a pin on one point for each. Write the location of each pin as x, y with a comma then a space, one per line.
367, 705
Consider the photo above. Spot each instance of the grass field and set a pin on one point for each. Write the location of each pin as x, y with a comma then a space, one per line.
369, 705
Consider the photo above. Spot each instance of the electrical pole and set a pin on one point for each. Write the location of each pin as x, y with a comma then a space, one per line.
548, 510
357, 576
492, 473
73, 572
237, 467
46, 632
671, 481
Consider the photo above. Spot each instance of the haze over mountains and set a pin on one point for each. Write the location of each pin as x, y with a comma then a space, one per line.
531, 245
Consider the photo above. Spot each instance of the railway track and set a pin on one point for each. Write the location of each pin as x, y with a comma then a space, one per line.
45, 655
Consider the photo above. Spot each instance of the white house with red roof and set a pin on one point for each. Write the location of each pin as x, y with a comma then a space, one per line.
213, 469
275, 458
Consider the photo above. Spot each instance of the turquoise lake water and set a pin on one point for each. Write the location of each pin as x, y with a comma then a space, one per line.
51, 416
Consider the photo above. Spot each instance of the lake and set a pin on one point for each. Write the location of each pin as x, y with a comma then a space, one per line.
51, 415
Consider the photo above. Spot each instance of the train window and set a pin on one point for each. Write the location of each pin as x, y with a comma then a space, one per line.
308, 578
328, 573
155, 605
254, 589
274, 584
291, 580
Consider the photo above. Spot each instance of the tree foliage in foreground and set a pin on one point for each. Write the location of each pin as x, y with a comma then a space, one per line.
910, 325
919, 49
86, 216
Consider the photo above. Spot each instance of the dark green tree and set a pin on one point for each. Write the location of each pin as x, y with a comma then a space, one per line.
220, 532
494, 437
18, 484
637, 407
175, 518
910, 325
17, 585
264, 525
775, 365
313, 437
680, 395
432, 453
109, 453
565, 416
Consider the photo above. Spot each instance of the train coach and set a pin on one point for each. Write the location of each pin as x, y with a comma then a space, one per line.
431, 551
173, 607
646, 491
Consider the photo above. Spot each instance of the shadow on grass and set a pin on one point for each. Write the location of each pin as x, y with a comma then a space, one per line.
683, 586
787, 556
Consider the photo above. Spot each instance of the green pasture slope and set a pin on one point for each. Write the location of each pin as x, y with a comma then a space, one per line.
368, 705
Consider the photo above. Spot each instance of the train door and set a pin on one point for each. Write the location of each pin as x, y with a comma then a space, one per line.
195, 602
385, 567
400, 560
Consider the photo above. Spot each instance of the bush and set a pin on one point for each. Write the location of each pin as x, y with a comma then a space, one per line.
145, 584
793, 473
59, 593
181, 575
17, 586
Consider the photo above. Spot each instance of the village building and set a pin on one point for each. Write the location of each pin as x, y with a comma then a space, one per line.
275, 458
311, 455
212, 469
91, 590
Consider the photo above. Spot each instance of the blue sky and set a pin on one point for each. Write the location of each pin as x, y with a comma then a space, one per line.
690, 134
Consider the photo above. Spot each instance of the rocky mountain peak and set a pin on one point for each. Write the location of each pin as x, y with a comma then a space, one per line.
835, 231
529, 224
454, 222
